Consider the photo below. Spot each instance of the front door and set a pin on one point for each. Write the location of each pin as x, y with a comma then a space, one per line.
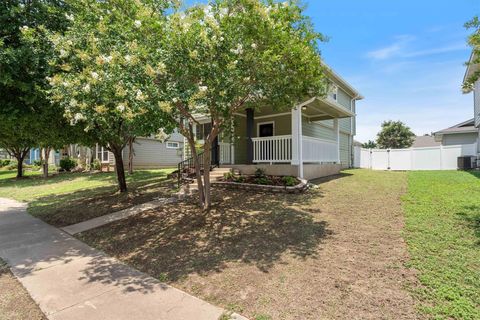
265, 129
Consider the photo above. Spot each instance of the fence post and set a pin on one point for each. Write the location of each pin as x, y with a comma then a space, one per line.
388, 159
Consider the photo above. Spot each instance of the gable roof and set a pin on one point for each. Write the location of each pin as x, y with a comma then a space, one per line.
425, 141
463, 127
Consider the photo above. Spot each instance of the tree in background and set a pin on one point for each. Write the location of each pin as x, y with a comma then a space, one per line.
474, 42
107, 77
370, 144
221, 58
23, 69
395, 135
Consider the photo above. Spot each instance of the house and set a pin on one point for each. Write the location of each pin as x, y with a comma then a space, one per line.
149, 152
312, 140
425, 142
34, 155
473, 69
459, 134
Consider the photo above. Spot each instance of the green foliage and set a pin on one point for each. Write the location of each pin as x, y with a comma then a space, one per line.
96, 165
370, 144
395, 135
443, 236
4, 162
11, 165
107, 72
67, 163
259, 173
289, 181
474, 42
37, 163
263, 180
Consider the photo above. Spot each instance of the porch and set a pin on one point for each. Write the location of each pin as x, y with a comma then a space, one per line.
289, 143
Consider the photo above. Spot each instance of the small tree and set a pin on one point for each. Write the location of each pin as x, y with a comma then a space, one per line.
474, 42
106, 76
370, 144
221, 58
395, 135
23, 68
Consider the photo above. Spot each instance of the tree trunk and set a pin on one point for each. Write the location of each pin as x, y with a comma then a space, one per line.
45, 161
198, 173
19, 166
130, 155
120, 170
207, 159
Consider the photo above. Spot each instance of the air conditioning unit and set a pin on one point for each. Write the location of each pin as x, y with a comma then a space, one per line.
466, 162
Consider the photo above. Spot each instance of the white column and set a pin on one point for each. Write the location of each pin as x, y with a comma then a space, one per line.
297, 147
336, 130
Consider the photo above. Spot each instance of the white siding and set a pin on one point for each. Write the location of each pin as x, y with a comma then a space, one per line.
476, 95
459, 138
151, 153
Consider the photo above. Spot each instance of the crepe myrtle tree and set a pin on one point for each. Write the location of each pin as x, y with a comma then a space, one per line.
106, 78
229, 55
474, 42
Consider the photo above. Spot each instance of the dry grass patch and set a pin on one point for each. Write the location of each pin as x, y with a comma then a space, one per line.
15, 303
335, 252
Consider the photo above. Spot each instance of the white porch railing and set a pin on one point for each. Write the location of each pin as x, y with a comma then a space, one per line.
272, 149
319, 150
225, 153
278, 149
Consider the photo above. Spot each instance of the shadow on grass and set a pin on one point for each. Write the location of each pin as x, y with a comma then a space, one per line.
475, 173
69, 208
471, 215
178, 240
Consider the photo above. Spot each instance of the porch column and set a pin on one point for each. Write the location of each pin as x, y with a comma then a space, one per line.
215, 151
250, 128
336, 130
297, 144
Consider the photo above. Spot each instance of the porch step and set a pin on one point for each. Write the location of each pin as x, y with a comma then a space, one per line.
215, 175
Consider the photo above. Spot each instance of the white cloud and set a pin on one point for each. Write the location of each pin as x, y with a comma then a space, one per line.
392, 50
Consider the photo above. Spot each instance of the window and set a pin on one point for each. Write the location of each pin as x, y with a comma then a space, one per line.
173, 145
102, 154
202, 130
266, 129
334, 92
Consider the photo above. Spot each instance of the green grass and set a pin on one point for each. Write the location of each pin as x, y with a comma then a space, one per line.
67, 198
443, 235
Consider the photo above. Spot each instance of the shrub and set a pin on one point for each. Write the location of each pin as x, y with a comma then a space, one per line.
263, 180
67, 164
229, 176
260, 173
4, 162
11, 165
37, 163
289, 181
96, 165
241, 179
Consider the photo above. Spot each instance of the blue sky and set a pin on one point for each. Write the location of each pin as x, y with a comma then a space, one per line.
406, 57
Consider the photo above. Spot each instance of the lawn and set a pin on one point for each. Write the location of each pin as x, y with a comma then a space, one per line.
68, 198
443, 235
335, 252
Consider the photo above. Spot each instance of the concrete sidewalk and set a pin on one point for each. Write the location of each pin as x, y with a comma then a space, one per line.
70, 280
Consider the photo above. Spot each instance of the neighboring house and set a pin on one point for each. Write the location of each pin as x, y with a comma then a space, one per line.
472, 69
312, 140
462, 133
34, 155
425, 142
149, 152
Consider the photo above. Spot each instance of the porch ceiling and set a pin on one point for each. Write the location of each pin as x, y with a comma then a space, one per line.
322, 109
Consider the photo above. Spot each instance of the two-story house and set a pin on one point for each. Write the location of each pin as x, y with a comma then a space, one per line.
472, 69
313, 139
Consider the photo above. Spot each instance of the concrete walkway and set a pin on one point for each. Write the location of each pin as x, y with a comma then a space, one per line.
122, 214
70, 280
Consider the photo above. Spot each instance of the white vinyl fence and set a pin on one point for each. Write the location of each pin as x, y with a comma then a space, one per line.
431, 158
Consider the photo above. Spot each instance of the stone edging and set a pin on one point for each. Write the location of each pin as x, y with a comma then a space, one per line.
302, 186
